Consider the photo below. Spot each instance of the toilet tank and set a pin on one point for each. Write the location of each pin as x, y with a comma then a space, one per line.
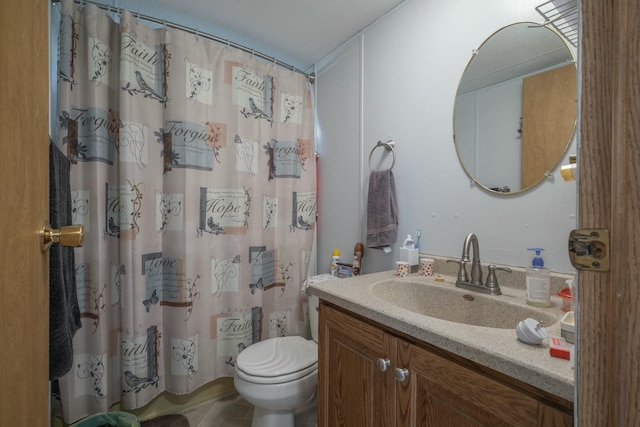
314, 303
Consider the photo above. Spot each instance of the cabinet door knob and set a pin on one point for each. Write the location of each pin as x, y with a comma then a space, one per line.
383, 364
401, 374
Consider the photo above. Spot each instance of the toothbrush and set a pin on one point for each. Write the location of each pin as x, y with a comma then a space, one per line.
418, 234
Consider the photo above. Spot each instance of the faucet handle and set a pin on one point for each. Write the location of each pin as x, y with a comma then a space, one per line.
492, 279
463, 277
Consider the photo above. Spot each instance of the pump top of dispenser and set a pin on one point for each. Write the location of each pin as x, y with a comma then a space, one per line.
336, 252
408, 242
537, 260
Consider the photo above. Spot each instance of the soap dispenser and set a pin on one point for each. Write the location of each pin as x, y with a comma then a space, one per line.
409, 253
408, 242
538, 281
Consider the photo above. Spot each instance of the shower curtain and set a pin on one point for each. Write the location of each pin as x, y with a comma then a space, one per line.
193, 174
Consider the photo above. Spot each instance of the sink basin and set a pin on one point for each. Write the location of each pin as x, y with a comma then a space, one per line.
458, 305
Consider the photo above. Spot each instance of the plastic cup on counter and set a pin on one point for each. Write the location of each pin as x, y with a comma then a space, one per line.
426, 266
567, 299
402, 268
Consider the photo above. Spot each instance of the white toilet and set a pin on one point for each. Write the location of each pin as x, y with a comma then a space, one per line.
279, 376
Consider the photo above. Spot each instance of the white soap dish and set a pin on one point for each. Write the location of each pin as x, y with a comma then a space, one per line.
568, 327
530, 331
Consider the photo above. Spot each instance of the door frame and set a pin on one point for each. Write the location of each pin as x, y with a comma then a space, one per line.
609, 197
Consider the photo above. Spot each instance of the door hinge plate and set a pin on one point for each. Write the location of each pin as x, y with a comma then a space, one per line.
589, 249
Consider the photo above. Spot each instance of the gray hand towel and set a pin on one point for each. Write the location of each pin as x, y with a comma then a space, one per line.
64, 312
382, 210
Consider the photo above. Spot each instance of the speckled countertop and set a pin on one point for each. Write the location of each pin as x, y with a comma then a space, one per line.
498, 349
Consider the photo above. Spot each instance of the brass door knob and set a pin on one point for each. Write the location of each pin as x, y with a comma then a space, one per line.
70, 235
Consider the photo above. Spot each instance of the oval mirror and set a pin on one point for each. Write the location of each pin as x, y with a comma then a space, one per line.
515, 109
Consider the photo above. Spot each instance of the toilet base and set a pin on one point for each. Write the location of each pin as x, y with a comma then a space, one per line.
270, 418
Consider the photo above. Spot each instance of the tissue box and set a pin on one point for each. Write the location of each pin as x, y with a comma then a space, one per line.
412, 256
345, 270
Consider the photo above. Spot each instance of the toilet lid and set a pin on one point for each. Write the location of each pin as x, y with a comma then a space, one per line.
277, 360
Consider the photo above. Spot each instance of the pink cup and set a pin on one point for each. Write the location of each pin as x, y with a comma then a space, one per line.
402, 268
426, 266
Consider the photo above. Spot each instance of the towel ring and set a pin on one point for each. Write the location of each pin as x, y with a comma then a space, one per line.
388, 146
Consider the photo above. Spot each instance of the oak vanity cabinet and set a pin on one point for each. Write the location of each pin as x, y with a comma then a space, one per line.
370, 376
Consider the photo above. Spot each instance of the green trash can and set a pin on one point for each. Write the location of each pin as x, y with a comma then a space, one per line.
109, 419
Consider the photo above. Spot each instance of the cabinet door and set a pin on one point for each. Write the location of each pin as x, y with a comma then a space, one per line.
352, 390
443, 393
549, 416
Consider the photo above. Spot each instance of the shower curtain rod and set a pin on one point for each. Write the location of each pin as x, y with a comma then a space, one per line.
309, 76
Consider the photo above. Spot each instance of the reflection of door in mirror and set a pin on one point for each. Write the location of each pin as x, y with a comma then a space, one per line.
548, 120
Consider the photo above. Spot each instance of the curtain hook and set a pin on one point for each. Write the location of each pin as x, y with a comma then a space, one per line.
197, 34
228, 43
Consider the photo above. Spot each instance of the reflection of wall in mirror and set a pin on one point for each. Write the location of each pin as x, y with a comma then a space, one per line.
486, 127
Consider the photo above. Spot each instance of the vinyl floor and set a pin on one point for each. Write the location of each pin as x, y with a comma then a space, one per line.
234, 411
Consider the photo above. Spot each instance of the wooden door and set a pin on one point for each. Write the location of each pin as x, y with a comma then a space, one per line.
24, 206
609, 197
352, 391
548, 120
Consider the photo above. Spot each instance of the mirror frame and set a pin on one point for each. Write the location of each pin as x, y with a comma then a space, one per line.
549, 173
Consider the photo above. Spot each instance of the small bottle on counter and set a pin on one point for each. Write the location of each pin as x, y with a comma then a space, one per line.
335, 259
358, 250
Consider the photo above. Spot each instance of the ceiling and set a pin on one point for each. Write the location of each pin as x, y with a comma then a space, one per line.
297, 32
515, 51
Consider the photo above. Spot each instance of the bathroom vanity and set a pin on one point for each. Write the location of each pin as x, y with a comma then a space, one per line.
381, 364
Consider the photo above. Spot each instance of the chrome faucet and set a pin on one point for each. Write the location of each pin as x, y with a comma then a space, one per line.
475, 282
476, 268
